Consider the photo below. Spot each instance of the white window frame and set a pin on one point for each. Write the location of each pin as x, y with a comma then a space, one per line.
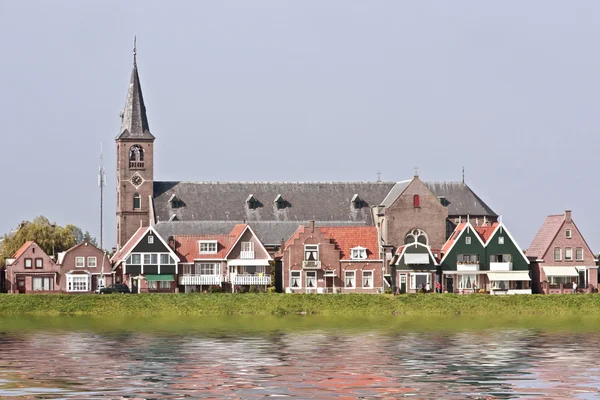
498, 285
296, 275
150, 239
95, 262
152, 285
170, 260
79, 262
164, 284
568, 234
462, 281
568, 254
577, 258
413, 280
559, 254
311, 248
247, 246
45, 279
500, 239
468, 240
311, 276
215, 268
372, 277
211, 246
358, 253
78, 283
353, 281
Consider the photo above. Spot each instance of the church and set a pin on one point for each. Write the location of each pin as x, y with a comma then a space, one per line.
403, 212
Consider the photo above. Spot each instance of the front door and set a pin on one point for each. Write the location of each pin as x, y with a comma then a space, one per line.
450, 284
402, 286
21, 284
329, 284
581, 283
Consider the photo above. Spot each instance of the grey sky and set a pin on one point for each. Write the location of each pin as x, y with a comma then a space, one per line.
305, 91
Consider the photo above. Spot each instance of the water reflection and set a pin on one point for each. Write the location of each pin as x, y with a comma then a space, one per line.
306, 363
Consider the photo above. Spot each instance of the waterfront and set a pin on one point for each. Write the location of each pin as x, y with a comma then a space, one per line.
303, 357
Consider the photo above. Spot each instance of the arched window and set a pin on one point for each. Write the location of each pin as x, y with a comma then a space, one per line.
417, 235
137, 201
136, 156
416, 201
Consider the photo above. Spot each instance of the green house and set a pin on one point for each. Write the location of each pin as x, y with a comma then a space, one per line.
414, 269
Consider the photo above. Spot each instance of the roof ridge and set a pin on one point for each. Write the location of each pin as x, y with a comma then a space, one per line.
281, 183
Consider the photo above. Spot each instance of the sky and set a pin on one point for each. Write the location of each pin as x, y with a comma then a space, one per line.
323, 90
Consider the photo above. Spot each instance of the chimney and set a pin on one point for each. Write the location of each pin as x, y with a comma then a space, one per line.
568, 216
311, 226
172, 242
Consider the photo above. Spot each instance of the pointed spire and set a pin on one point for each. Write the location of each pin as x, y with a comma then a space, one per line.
134, 121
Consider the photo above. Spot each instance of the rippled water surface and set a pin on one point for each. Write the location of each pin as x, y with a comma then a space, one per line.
301, 357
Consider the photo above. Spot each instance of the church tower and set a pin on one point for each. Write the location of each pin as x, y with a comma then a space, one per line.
135, 162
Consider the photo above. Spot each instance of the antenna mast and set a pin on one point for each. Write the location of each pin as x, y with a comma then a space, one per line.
101, 184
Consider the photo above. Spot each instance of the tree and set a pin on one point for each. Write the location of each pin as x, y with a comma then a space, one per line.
49, 236
80, 236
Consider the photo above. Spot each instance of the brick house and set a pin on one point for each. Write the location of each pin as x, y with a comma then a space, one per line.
235, 262
332, 259
84, 268
560, 256
31, 270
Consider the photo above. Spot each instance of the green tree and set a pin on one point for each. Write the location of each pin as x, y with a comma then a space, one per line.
49, 236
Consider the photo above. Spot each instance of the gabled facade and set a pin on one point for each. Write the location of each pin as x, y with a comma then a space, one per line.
237, 261
146, 263
560, 256
332, 260
31, 270
414, 269
84, 268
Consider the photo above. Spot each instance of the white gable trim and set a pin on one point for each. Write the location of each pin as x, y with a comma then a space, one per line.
501, 225
151, 229
417, 244
257, 239
453, 243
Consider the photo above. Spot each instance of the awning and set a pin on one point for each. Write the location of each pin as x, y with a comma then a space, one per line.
560, 271
509, 276
164, 278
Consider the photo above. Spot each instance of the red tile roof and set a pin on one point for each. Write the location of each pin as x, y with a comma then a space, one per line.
486, 231
452, 238
23, 248
188, 248
347, 237
119, 255
545, 235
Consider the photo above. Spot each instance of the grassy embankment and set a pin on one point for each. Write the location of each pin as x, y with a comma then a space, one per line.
282, 304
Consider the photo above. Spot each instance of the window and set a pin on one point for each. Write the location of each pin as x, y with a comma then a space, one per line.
207, 269
79, 262
500, 239
579, 254
166, 259
350, 279
42, 283
311, 252
358, 253
247, 252
419, 280
152, 285
311, 279
568, 254
39, 263
295, 279
147, 259
416, 235
467, 281
165, 284
91, 262
416, 201
367, 279
134, 259
468, 240
28, 263
501, 258
467, 258
136, 153
557, 254
137, 201
502, 285
77, 283
251, 269
150, 239
568, 233
208, 246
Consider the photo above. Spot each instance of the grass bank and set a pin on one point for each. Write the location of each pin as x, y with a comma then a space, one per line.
282, 304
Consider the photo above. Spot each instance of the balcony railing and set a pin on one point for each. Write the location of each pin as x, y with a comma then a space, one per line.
251, 280
247, 255
467, 266
200, 279
136, 165
311, 264
500, 266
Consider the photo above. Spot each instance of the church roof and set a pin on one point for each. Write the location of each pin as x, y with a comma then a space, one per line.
256, 201
460, 199
134, 121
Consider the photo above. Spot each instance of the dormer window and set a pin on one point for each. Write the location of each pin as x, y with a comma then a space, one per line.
358, 253
443, 201
568, 234
357, 202
174, 201
416, 201
280, 202
208, 246
252, 202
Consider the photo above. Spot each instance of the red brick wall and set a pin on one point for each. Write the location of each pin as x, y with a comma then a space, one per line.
83, 250
33, 252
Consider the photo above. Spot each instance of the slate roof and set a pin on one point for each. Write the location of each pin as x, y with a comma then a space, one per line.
348, 237
396, 191
134, 121
222, 201
461, 199
268, 232
543, 239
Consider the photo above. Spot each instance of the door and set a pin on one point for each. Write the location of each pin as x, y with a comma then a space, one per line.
329, 284
450, 284
402, 286
21, 284
581, 283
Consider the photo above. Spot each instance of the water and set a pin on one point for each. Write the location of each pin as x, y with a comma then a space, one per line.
299, 357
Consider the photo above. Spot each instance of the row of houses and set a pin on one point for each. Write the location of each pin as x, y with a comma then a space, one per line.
318, 259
